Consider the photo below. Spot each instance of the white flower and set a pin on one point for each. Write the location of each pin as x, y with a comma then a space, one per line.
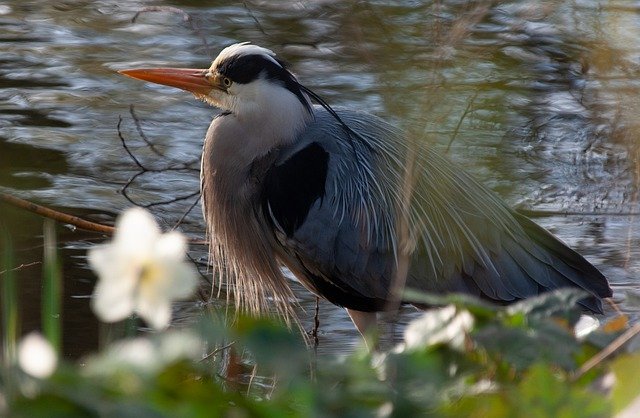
585, 326
141, 271
36, 356
146, 355
446, 325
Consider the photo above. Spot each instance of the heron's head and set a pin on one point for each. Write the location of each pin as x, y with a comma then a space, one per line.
243, 79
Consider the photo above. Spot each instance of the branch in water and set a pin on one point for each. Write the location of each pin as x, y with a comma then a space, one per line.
55, 215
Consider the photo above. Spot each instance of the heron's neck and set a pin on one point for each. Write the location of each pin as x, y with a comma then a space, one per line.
270, 115
236, 139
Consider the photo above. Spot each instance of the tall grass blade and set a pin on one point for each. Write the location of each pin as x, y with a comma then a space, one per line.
10, 311
9, 299
51, 289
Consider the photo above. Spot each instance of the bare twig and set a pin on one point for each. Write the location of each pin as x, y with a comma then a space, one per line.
65, 218
138, 123
186, 17
403, 235
184, 215
254, 371
530, 213
614, 306
607, 351
217, 350
126, 148
260, 28
56, 215
174, 200
195, 262
143, 136
462, 118
21, 266
144, 169
124, 188
316, 324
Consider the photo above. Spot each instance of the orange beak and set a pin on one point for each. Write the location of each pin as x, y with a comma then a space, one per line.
188, 79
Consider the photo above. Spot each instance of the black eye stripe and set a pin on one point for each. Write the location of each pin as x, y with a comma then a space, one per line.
246, 68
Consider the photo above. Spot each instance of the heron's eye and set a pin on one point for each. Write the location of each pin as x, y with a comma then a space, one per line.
226, 82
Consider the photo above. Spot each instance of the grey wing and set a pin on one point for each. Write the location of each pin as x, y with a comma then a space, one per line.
340, 236
497, 254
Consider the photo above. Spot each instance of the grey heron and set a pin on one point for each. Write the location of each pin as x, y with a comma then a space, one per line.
324, 192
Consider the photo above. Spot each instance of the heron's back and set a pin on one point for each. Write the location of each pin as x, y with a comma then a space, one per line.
347, 207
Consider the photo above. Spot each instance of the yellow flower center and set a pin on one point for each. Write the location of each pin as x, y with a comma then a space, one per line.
149, 273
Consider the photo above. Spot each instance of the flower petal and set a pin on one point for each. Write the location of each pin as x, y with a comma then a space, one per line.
101, 258
170, 280
157, 313
136, 233
171, 246
184, 281
113, 299
141, 270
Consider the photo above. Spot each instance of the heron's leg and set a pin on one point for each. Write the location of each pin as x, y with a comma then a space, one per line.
366, 322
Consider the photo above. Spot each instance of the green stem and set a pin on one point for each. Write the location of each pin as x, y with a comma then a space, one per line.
10, 309
51, 289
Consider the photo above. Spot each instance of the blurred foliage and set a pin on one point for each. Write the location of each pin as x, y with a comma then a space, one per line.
463, 359
467, 359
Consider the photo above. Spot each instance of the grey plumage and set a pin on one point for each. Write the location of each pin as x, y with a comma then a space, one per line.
464, 237
351, 205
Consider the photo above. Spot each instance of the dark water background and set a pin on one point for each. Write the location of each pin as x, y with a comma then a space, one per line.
538, 99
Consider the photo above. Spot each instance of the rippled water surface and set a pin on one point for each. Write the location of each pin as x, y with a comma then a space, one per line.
538, 99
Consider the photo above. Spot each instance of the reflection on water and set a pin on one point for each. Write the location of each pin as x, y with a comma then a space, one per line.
538, 99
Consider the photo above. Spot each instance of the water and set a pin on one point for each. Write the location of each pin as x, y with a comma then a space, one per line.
537, 99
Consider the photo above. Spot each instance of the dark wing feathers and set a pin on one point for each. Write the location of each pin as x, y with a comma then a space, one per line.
565, 260
468, 240
537, 270
292, 187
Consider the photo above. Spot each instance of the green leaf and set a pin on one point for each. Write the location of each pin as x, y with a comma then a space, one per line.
275, 347
626, 369
350, 386
561, 303
476, 306
543, 393
490, 405
419, 378
520, 347
50, 406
